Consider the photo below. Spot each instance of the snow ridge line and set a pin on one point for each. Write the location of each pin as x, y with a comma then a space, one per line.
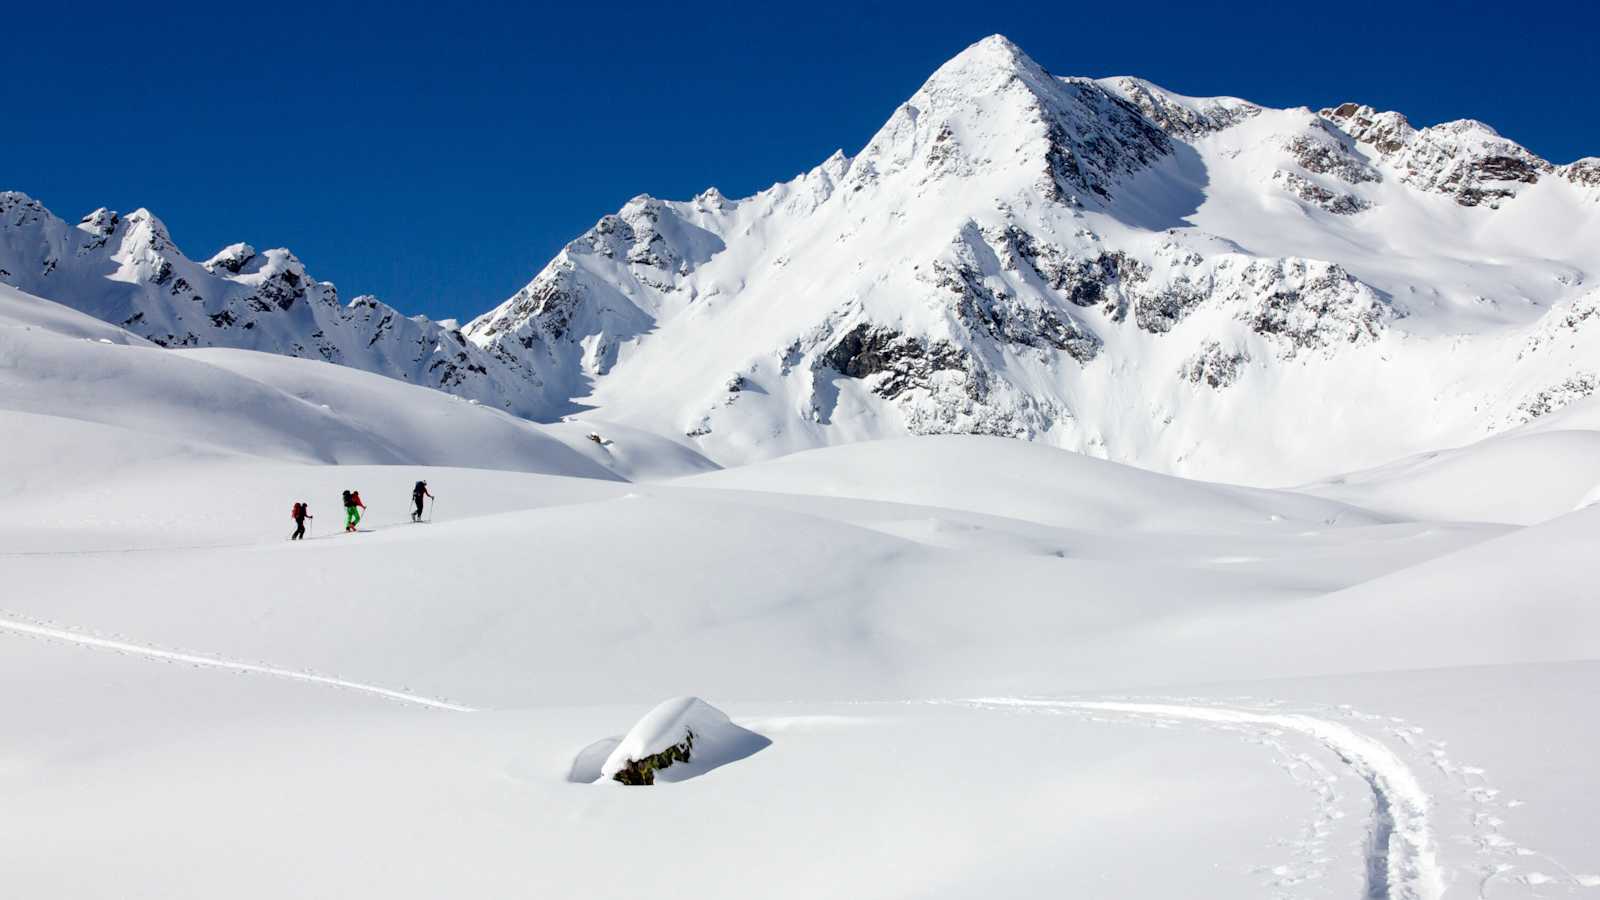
1401, 862
15, 626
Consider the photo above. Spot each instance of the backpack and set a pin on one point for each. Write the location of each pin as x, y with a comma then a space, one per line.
419, 489
298, 511
346, 498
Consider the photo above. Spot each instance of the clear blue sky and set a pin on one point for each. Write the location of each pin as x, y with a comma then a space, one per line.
439, 157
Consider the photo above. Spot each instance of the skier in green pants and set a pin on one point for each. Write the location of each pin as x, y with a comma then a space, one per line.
352, 509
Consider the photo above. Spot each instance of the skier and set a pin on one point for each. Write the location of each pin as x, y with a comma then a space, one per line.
352, 510
417, 493
300, 514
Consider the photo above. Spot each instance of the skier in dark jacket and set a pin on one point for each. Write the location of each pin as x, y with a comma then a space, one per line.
417, 493
300, 514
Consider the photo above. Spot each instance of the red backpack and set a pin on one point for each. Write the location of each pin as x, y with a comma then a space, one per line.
298, 511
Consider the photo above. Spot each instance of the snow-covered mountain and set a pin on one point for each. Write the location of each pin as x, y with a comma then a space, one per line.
1197, 285
126, 270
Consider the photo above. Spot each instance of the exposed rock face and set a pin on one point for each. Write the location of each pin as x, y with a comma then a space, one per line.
1564, 325
1556, 397
1081, 281
1325, 164
1338, 203
1185, 118
1215, 366
1466, 159
1094, 141
1293, 306
1308, 304
1584, 173
905, 362
1387, 132
1324, 152
1005, 317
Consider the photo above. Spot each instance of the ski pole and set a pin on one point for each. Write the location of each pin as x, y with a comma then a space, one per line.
432, 502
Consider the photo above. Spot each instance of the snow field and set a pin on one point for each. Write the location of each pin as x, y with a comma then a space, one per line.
193, 706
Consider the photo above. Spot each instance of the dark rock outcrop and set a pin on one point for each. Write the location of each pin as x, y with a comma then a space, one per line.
905, 362
640, 772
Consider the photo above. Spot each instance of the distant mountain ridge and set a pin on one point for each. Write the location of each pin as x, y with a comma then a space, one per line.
1197, 285
126, 270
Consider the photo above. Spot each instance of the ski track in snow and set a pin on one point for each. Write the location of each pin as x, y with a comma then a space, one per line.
1503, 859
1401, 860
10, 623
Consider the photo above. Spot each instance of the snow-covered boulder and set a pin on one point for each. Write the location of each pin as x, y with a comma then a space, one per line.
686, 735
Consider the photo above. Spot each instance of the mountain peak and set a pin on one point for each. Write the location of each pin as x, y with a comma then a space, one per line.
996, 50
146, 232
15, 198
1465, 158
233, 258
987, 66
101, 222
1389, 132
711, 197
994, 113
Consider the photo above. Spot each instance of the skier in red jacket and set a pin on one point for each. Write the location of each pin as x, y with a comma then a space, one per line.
352, 510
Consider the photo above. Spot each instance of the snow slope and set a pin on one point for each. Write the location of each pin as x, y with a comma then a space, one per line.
310, 699
1027, 481
59, 363
1523, 476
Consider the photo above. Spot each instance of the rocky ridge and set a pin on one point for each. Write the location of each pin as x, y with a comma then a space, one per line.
126, 269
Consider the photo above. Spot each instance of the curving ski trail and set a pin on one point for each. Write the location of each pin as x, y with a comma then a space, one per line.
16, 626
1401, 860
